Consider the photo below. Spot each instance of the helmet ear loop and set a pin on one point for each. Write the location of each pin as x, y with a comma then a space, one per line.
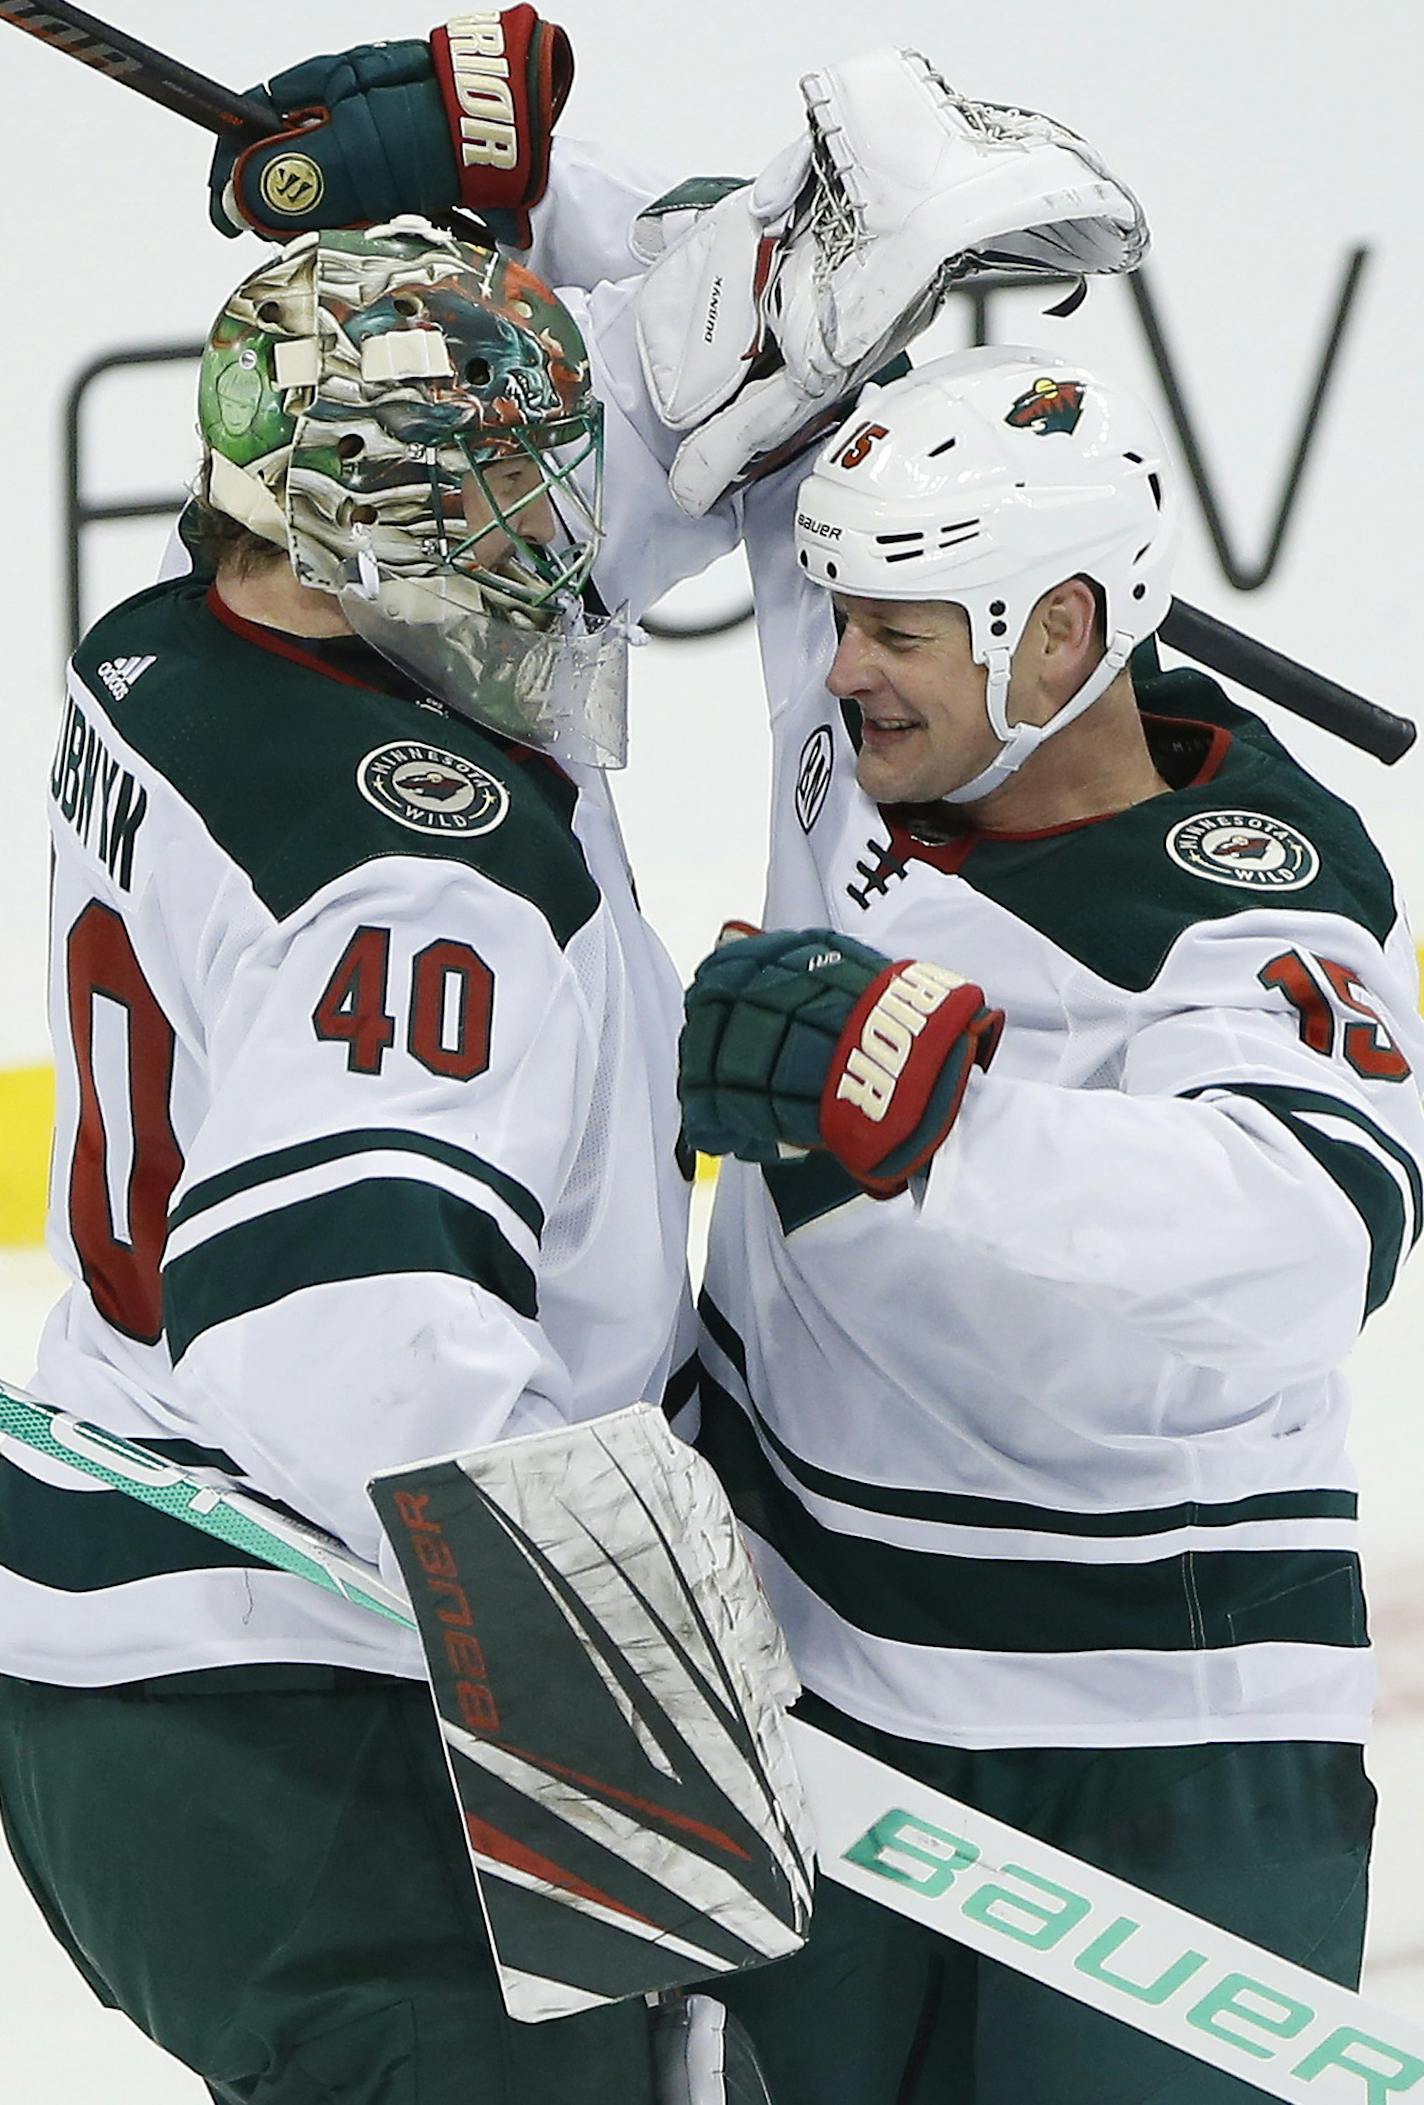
1114, 658
999, 664
1016, 741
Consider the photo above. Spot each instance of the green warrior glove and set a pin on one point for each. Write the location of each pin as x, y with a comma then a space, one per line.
363, 135
805, 1038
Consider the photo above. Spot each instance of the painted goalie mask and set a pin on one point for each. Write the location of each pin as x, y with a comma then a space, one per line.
362, 401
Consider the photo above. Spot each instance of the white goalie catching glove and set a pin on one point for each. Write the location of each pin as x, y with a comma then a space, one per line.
758, 318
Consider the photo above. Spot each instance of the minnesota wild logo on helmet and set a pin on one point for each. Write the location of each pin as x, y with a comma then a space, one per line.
1049, 405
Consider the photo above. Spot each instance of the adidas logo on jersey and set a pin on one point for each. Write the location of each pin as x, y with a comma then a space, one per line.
119, 674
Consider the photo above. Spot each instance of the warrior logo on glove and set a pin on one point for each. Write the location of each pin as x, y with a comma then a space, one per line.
807, 1039
292, 184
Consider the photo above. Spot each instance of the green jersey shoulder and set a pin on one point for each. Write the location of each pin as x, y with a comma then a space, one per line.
300, 771
1244, 829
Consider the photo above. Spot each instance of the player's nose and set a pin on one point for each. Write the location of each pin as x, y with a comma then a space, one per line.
853, 670
536, 520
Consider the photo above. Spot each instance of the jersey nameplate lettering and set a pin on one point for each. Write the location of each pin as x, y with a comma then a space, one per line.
87, 782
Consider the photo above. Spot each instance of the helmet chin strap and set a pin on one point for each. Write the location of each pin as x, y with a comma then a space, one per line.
1018, 741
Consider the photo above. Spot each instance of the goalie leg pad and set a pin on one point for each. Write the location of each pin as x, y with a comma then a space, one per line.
611, 1688
702, 2056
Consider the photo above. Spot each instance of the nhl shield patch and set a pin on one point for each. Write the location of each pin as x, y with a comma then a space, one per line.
431, 790
813, 775
1244, 848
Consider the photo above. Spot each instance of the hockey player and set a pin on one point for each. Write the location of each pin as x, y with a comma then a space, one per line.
1076, 1101
366, 1150
1042, 1450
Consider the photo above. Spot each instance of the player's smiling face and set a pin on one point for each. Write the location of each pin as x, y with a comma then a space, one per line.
908, 666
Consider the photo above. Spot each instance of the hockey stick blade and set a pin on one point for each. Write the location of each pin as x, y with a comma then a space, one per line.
1103, 1942
1267, 672
138, 66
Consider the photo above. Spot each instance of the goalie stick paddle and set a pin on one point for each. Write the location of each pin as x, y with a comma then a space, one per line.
1289, 2033
138, 66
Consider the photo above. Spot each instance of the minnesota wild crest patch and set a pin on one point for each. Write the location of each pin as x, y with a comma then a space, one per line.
431, 790
1244, 848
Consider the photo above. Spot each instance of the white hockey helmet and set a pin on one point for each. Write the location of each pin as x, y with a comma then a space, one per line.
987, 478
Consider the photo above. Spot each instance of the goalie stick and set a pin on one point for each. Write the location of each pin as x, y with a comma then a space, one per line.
1323, 702
1214, 1996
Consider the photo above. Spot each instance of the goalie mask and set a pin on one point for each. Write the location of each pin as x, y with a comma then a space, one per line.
403, 413
987, 478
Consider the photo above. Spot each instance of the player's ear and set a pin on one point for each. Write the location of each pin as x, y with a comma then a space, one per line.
1068, 614
1065, 629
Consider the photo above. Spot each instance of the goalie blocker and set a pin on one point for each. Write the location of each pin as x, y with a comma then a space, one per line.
639, 1778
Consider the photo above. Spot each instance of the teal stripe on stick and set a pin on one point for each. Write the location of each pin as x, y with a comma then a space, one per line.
263, 1536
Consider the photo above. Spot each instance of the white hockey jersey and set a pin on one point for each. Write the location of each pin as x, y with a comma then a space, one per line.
366, 1134
1050, 1452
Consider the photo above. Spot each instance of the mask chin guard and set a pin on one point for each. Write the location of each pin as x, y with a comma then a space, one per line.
562, 689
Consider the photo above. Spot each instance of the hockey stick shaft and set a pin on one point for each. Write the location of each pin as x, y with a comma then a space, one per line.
1267, 672
135, 65
905, 1846
1185, 1982
243, 1523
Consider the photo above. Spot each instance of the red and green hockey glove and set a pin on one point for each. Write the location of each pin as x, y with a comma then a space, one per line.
359, 136
805, 1038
